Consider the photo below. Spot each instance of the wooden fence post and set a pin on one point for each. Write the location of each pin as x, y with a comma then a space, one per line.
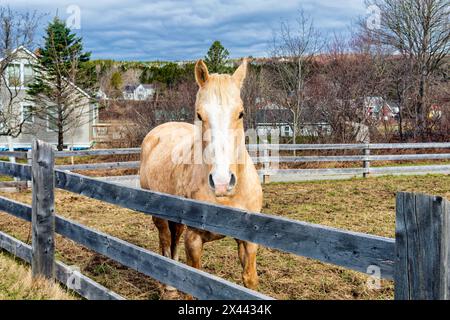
366, 163
266, 174
43, 210
422, 268
29, 162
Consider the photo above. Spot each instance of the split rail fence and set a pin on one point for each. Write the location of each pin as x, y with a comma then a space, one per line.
417, 259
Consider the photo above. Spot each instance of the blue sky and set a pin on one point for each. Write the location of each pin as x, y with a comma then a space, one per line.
184, 30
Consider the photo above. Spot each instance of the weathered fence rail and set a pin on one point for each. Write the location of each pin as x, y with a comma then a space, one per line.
356, 251
158, 267
310, 240
100, 166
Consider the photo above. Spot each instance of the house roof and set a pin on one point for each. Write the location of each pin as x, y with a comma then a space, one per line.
21, 48
34, 56
130, 88
274, 116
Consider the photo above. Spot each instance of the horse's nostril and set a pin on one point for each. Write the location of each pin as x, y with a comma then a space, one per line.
232, 181
211, 181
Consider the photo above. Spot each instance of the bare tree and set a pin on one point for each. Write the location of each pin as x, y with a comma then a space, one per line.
294, 49
169, 104
420, 31
131, 76
16, 30
254, 92
350, 78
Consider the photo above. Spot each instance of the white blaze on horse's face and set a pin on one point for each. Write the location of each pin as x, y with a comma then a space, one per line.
219, 111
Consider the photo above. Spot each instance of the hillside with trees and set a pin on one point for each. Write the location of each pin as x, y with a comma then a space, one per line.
384, 84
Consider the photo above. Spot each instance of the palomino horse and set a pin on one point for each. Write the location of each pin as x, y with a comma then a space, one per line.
223, 174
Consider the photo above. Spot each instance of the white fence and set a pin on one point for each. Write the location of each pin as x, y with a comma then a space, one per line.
269, 156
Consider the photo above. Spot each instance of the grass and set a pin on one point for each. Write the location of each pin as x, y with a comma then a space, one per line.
6, 178
364, 205
16, 283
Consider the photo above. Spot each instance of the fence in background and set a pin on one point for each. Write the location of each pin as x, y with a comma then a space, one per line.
416, 259
264, 153
269, 156
365, 158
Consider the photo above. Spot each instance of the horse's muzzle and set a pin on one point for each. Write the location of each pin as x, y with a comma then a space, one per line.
221, 189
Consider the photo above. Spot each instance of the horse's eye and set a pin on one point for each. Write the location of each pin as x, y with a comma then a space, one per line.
199, 117
241, 115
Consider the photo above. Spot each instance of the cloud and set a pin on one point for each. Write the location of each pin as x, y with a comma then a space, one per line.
182, 29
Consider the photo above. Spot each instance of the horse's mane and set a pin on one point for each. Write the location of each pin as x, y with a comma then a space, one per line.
221, 87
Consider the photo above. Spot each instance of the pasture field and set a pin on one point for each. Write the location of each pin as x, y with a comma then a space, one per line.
16, 283
364, 205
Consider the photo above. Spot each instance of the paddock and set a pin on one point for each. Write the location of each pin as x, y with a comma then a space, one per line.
283, 275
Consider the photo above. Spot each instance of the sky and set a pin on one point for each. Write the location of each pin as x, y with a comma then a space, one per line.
177, 30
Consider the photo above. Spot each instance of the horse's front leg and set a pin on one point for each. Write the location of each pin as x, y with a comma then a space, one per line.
247, 255
193, 244
168, 292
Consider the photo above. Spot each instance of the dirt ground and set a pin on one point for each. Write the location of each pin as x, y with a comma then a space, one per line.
364, 205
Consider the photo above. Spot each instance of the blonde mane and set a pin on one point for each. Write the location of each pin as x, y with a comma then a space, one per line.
219, 87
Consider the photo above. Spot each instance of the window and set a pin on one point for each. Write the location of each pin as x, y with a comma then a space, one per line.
287, 130
27, 114
51, 120
28, 74
13, 75
19, 75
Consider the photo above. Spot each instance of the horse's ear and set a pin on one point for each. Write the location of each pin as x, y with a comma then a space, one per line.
201, 73
240, 73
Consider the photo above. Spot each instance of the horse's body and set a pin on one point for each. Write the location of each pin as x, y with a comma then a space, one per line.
168, 165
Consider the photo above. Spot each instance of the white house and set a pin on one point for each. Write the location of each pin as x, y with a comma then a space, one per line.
19, 73
274, 120
381, 109
138, 92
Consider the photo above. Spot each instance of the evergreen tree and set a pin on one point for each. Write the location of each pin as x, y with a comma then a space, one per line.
58, 72
216, 58
116, 81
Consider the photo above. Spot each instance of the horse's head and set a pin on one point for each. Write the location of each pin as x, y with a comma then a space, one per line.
219, 113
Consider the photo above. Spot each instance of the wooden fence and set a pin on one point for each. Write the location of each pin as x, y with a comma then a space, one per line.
365, 158
268, 155
416, 259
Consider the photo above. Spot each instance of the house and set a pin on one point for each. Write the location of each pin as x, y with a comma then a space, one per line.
381, 109
138, 92
272, 119
101, 95
435, 112
19, 73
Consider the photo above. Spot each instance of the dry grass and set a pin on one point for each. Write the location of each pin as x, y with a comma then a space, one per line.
16, 283
359, 205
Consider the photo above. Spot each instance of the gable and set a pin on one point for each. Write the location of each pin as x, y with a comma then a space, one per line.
25, 56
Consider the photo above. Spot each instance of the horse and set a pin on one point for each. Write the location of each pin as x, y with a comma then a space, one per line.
205, 161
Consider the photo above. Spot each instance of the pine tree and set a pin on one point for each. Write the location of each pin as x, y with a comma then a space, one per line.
116, 81
58, 72
216, 58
